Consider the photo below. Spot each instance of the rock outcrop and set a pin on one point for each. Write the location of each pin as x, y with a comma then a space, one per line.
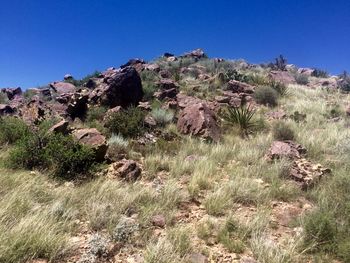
199, 120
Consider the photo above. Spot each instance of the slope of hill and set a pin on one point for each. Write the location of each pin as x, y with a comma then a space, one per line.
183, 159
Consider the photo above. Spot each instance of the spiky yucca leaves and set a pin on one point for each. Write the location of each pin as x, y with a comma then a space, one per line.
241, 116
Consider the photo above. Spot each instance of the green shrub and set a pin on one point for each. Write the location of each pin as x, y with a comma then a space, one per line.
319, 73
301, 79
84, 80
3, 98
162, 117
12, 129
282, 131
95, 114
60, 154
241, 116
320, 231
128, 122
279, 87
266, 96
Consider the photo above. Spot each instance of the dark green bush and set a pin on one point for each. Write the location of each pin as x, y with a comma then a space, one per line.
95, 114
59, 154
301, 79
12, 129
84, 80
282, 131
3, 98
266, 96
279, 87
128, 122
319, 73
241, 116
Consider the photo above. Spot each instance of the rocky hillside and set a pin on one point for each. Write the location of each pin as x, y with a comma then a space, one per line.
181, 159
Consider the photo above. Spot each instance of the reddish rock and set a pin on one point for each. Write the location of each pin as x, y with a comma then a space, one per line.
165, 74
282, 76
6, 109
127, 170
199, 120
33, 112
62, 87
158, 220
166, 84
197, 54
60, 127
12, 93
285, 149
152, 67
240, 87
276, 115
77, 105
119, 88
197, 258
307, 174
145, 105
150, 122
93, 138
166, 94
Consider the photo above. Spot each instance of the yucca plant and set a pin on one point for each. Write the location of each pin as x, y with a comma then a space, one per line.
241, 116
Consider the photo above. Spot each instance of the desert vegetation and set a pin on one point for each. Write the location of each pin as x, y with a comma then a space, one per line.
183, 159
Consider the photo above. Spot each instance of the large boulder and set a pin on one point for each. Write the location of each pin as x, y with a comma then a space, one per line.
62, 87
94, 139
197, 54
199, 120
6, 109
12, 93
120, 87
240, 87
282, 76
127, 170
285, 149
167, 89
33, 112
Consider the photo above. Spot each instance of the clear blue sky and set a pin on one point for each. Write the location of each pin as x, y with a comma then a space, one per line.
40, 41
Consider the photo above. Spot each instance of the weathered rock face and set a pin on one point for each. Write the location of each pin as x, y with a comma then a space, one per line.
127, 170
93, 138
6, 109
306, 71
33, 112
77, 105
12, 93
199, 120
197, 54
307, 174
240, 87
167, 89
285, 149
282, 76
119, 88
60, 127
137, 63
62, 87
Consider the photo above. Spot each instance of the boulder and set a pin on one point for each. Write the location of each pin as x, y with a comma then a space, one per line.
199, 120
94, 139
127, 170
197, 258
77, 105
152, 67
240, 87
136, 63
307, 174
61, 87
158, 220
167, 55
306, 71
276, 115
6, 109
197, 54
121, 87
60, 127
12, 93
33, 112
68, 77
285, 149
282, 76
